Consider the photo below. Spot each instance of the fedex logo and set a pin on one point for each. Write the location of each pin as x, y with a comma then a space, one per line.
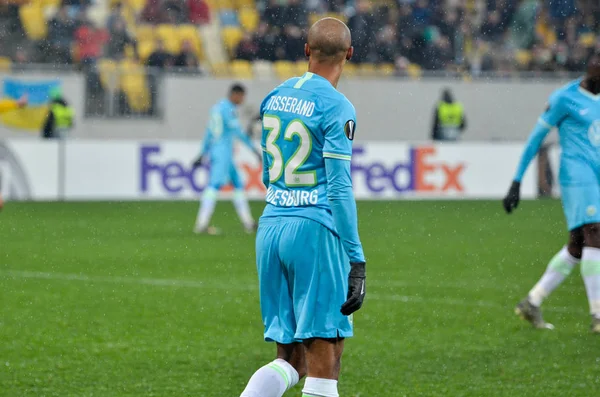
421, 172
175, 176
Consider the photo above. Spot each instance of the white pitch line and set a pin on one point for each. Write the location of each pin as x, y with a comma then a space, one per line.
177, 283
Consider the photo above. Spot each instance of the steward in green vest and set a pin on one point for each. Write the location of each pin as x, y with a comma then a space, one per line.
449, 119
60, 116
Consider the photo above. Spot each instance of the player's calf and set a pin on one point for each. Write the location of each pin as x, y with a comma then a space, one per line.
590, 270
323, 361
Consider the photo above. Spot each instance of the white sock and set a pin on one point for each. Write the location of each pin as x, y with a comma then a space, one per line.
558, 269
207, 207
590, 270
317, 387
242, 208
272, 380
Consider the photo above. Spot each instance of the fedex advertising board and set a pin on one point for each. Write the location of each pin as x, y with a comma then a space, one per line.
137, 170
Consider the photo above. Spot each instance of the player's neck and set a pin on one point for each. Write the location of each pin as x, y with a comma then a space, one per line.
592, 85
329, 72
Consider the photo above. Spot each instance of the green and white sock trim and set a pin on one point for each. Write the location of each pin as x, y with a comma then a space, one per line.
590, 270
287, 372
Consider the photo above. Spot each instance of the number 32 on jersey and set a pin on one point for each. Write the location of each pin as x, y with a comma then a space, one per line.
289, 168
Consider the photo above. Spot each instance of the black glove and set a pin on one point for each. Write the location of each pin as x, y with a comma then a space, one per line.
511, 201
356, 288
198, 162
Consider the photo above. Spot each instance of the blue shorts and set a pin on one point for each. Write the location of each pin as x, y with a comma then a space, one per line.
581, 205
222, 173
303, 279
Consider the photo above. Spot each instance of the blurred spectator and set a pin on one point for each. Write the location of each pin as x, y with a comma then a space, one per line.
294, 43
421, 12
198, 12
116, 14
267, 41
247, 48
522, 29
60, 36
386, 44
153, 12
175, 10
186, 57
274, 14
363, 25
89, 42
296, 13
160, 58
119, 39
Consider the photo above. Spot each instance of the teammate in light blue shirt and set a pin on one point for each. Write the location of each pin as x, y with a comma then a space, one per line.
310, 260
575, 110
223, 129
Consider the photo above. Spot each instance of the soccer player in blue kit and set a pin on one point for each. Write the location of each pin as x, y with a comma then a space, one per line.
223, 128
575, 110
311, 266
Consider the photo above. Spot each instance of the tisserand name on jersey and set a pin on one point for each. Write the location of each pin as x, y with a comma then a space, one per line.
290, 104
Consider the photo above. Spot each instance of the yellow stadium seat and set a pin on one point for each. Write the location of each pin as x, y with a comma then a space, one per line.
145, 48
350, 70
137, 5
190, 33
241, 70
108, 73
386, 69
220, 70
414, 71
51, 3
263, 69
301, 68
135, 86
285, 69
170, 37
5, 64
220, 4
249, 19
367, 69
587, 40
240, 4
231, 37
34, 21
523, 57
145, 32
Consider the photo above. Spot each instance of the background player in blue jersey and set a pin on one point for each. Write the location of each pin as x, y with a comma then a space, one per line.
310, 261
223, 128
575, 110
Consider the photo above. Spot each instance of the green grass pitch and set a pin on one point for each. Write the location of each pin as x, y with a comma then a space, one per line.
121, 299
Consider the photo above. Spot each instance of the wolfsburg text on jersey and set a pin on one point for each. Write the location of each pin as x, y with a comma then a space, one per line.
291, 198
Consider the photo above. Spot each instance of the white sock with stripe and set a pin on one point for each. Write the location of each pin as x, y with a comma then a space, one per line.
242, 208
272, 380
317, 387
207, 207
590, 270
558, 269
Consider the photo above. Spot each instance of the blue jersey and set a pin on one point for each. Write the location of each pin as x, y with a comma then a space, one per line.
307, 122
576, 113
223, 127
